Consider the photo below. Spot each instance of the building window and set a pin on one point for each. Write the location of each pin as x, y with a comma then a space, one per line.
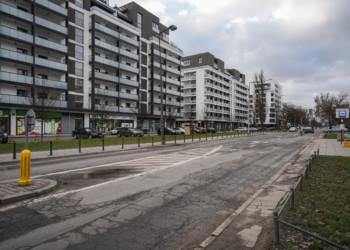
21, 92
128, 105
78, 99
187, 62
79, 3
79, 18
43, 57
22, 51
106, 103
22, 30
22, 72
79, 35
42, 95
139, 20
128, 91
200, 60
78, 85
155, 26
79, 52
22, 9
41, 76
97, 101
79, 67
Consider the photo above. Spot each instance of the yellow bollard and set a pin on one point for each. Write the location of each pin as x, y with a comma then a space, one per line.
25, 168
347, 144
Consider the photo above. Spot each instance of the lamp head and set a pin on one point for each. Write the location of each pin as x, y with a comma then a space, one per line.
172, 27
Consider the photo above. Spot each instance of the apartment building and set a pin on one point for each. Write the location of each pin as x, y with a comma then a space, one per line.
273, 100
212, 95
84, 63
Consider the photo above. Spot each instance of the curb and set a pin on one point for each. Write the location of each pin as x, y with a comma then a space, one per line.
26, 192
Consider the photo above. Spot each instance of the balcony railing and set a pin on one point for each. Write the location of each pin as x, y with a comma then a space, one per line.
129, 54
52, 6
9, 54
51, 83
21, 100
50, 25
128, 96
107, 108
128, 110
157, 100
15, 78
129, 40
106, 30
50, 64
103, 76
16, 34
51, 45
105, 61
105, 92
128, 82
105, 45
16, 12
128, 68
173, 92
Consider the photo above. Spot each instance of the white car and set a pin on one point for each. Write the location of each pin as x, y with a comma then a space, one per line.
114, 131
293, 129
241, 129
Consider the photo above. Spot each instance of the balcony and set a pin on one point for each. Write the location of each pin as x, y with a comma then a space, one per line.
105, 61
189, 94
12, 55
51, 83
50, 25
128, 96
108, 77
173, 92
50, 64
52, 45
129, 82
128, 68
105, 92
106, 30
174, 103
128, 110
15, 78
106, 108
16, 34
129, 40
156, 112
18, 14
50, 5
172, 81
157, 100
106, 46
129, 54
157, 89
21, 100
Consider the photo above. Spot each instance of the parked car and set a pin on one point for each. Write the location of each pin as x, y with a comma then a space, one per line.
86, 133
178, 131
293, 129
3, 136
336, 130
145, 130
203, 130
114, 131
309, 130
211, 130
197, 130
129, 132
167, 131
253, 129
241, 129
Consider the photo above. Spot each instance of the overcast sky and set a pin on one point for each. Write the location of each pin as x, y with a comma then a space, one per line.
303, 44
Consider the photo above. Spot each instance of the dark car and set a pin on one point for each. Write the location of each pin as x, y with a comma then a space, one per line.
3, 136
144, 130
167, 131
129, 132
309, 130
86, 133
211, 130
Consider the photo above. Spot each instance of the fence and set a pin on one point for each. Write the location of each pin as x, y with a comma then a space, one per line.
290, 198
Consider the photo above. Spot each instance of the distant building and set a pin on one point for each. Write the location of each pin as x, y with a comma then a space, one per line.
212, 95
273, 99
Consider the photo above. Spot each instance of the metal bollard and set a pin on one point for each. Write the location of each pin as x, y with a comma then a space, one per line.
292, 198
318, 151
122, 142
103, 144
192, 138
206, 136
200, 137
222, 136
175, 139
50, 147
276, 228
25, 168
14, 150
152, 141
184, 138
139, 141
79, 146
212, 136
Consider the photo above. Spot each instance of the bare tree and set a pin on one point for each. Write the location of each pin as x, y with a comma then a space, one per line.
142, 113
326, 104
260, 99
43, 103
100, 114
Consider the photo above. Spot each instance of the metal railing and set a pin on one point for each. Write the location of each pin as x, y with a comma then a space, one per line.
290, 198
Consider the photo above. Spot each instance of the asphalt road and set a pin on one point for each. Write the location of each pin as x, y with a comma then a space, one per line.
160, 198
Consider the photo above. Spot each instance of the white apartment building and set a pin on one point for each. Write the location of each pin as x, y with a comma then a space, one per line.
213, 96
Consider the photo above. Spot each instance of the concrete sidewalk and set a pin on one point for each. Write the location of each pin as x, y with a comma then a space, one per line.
333, 147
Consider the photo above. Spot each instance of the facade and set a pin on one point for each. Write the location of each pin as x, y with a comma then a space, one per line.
83, 64
213, 96
273, 101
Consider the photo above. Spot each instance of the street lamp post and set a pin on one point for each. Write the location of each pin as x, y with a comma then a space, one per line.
171, 27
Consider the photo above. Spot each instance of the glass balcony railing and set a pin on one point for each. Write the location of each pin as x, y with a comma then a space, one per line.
129, 40
106, 30
156, 112
157, 100
174, 92
103, 60
173, 70
106, 46
12, 77
105, 92
105, 76
50, 25
129, 54
156, 89
128, 82
52, 6
106, 108
128, 110
15, 56
128, 68
13, 99
128, 96
51, 45
51, 64
16, 12
51, 83
172, 81
15, 34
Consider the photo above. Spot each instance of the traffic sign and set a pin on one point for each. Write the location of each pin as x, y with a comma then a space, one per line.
342, 113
